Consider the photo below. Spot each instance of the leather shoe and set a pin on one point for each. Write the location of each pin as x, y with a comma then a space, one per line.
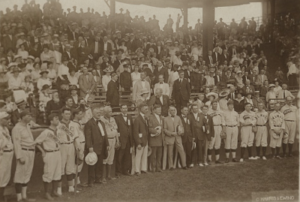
144, 172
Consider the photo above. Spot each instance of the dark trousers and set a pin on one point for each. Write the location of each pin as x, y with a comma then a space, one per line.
200, 144
123, 158
155, 158
187, 145
179, 104
95, 171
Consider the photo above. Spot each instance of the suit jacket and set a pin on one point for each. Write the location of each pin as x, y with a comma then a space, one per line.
188, 135
15, 116
109, 47
170, 127
125, 128
163, 71
8, 43
94, 137
112, 95
164, 106
218, 79
86, 84
181, 90
216, 57
155, 141
197, 124
125, 80
140, 126
223, 58
208, 127
259, 80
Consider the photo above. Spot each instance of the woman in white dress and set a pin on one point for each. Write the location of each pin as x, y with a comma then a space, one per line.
135, 75
35, 74
43, 80
107, 77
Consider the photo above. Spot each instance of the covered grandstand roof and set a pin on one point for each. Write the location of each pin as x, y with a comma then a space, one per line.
188, 3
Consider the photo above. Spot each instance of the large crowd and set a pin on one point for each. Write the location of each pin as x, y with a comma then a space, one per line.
54, 65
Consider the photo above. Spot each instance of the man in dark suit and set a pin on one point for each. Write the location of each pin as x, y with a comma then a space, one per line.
197, 124
9, 41
161, 70
188, 137
125, 128
218, 78
156, 138
216, 57
160, 99
224, 57
112, 95
125, 79
105, 46
140, 136
95, 48
181, 92
96, 141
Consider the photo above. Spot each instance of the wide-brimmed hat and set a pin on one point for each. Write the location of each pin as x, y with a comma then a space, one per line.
272, 85
4, 115
17, 56
91, 159
73, 87
212, 94
109, 69
20, 102
223, 93
30, 57
45, 87
43, 72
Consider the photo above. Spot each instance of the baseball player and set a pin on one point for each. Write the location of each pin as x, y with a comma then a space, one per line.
289, 112
48, 143
78, 128
231, 119
67, 134
247, 122
113, 139
261, 136
277, 127
6, 152
219, 126
24, 147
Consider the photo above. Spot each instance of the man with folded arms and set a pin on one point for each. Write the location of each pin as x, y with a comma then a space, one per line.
48, 143
173, 129
290, 113
140, 135
6, 153
24, 146
156, 138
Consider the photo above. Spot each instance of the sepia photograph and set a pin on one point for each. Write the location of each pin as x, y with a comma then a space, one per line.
149, 100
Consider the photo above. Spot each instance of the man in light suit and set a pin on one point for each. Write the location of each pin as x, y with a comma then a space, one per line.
172, 125
86, 83
156, 138
140, 136
139, 86
161, 84
181, 92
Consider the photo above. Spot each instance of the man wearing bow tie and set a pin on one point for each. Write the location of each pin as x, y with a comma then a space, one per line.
96, 141
140, 135
125, 128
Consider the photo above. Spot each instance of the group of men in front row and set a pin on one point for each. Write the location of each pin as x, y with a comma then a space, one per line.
194, 134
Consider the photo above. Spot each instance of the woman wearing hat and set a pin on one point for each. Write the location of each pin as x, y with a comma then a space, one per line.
277, 87
248, 98
15, 81
35, 74
22, 52
27, 85
43, 80
239, 80
212, 96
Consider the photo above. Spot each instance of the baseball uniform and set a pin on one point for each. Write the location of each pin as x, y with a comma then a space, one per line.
262, 132
218, 121
6, 156
52, 159
231, 119
277, 127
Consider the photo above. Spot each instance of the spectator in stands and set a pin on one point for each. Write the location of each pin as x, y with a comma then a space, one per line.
277, 87
107, 77
261, 78
160, 99
43, 80
162, 85
248, 88
135, 75
74, 96
15, 81
292, 74
239, 80
139, 86
125, 79
86, 83
112, 94
239, 102
181, 92
54, 105
284, 92
271, 94
72, 77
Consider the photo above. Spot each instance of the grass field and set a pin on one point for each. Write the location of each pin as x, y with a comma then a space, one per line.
227, 182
